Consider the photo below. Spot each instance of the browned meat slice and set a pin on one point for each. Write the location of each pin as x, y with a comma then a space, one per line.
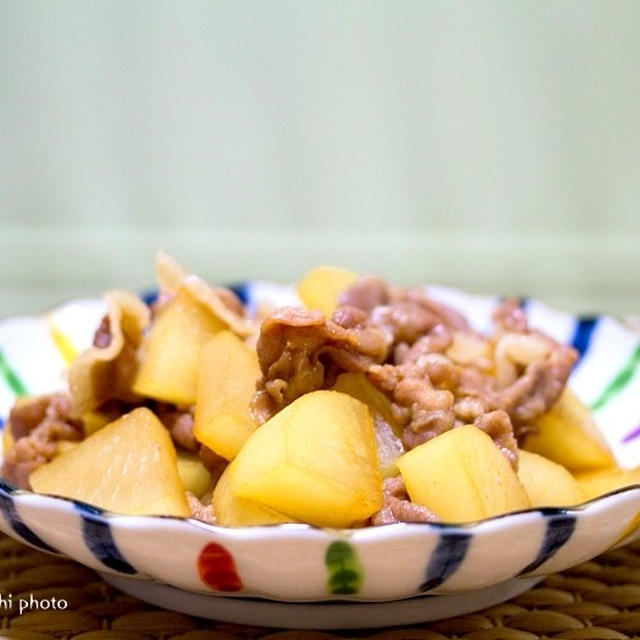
397, 507
299, 351
422, 410
437, 340
509, 317
537, 389
497, 425
433, 394
214, 463
37, 426
102, 336
179, 422
366, 293
401, 310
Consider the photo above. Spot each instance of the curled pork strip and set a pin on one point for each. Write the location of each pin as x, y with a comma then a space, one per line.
37, 425
537, 389
396, 506
106, 370
299, 351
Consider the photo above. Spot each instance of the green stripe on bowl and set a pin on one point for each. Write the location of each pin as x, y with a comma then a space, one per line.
345, 571
620, 381
11, 377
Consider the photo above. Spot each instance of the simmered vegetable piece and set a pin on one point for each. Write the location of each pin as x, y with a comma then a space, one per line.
320, 287
388, 442
357, 386
171, 351
314, 461
547, 483
568, 435
227, 377
462, 476
597, 483
233, 511
129, 466
7, 440
194, 476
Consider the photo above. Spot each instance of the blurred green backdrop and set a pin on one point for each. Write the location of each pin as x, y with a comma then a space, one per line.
490, 145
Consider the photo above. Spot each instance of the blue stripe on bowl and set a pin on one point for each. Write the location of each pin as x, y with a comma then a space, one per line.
98, 537
583, 333
11, 515
241, 289
522, 301
149, 296
446, 558
559, 529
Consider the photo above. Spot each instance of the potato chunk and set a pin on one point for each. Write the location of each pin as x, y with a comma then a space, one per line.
129, 467
462, 476
314, 461
320, 287
194, 476
597, 483
568, 435
388, 434
357, 386
232, 511
7, 439
170, 352
227, 377
547, 483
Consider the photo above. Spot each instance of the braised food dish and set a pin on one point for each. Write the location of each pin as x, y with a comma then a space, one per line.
364, 404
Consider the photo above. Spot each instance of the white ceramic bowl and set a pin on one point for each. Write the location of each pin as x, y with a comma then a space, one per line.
300, 575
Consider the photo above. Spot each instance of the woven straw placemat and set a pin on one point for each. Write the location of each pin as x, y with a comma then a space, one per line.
599, 599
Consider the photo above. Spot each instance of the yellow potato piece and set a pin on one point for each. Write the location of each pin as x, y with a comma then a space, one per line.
547, 483
227, 377
232, 511
128, 467
357, 386
314, 461
462, 476
388, 434
64, 446
170, 352
568, 435
320, 287
7, 439
94, 420
597, 483
193, 474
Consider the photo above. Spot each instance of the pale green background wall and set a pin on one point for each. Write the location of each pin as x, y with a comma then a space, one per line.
491, 145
